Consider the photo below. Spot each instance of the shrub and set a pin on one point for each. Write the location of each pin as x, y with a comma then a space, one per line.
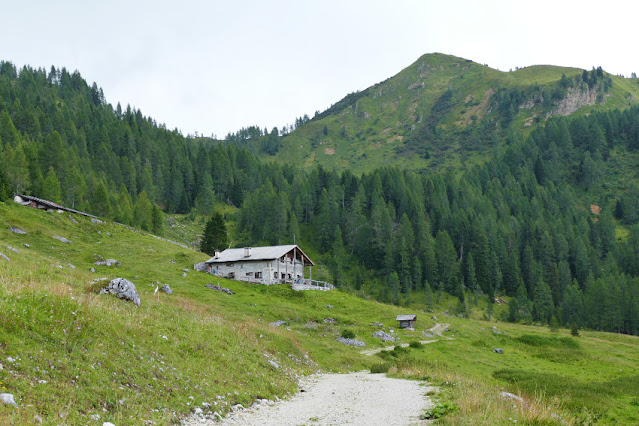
415, 345
574, 331
440, 410
381, 367
348, 334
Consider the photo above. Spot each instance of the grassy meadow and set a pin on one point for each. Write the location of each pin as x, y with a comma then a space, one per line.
69, 354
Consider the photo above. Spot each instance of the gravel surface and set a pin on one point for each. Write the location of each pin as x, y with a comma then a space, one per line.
437, 330
336, 399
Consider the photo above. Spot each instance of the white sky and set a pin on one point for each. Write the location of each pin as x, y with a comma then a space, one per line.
216, 66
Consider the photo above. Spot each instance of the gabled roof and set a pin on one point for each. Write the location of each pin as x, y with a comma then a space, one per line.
411, 317
259, 253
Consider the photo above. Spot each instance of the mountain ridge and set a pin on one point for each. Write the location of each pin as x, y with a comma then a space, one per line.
378, 125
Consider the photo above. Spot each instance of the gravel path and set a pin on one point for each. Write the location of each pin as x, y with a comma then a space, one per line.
437, 330
336, 399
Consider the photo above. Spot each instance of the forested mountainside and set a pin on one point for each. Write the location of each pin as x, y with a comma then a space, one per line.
549, 218
440, 112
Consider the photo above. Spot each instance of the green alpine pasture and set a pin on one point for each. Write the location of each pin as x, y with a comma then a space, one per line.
69, 354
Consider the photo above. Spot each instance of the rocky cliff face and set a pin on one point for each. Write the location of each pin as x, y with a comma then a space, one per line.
577, 97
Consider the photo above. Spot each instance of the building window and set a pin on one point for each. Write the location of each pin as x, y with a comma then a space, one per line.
249, 274
275, 275
258, 275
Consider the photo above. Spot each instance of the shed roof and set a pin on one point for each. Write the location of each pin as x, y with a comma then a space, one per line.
411, 317
259, 253
52, 205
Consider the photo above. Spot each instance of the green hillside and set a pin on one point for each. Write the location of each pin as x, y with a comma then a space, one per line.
70, 354
445, 111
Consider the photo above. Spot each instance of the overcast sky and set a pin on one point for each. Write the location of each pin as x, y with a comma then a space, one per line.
216, 66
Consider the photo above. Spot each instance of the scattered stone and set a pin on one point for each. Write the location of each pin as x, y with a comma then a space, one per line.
206, 405
446, 313
73, 219
108, 262
496, 331
508, 395
197, 410
42, 382
384, 336
330, 321
10, 359
274, 364
427, 334
26, 245
8, 399
218, 288
329, 306
185, 270
237, 407
17, 230
351, 342
94, 220
434, 318
64, 240
277, 323
184, 274
498, 350
92, 269
171, 261
70, 266
217, 416
123, 289
13, 249
94, 417
38, 418
165, 288
107, 424
4, 257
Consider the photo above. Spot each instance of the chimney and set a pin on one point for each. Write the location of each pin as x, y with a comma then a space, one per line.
247, 252
217, 254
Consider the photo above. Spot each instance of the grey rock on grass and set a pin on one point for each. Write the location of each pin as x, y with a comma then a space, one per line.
107, 262
64, 240
384, 336
351, 342
17, 230
8, 399
3, 256
218, 288
123, 289
165, 288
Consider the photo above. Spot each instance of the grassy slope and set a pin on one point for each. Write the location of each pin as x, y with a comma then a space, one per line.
100, 355
376, 125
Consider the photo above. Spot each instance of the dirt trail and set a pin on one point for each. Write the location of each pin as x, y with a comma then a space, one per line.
437, 330
334, 399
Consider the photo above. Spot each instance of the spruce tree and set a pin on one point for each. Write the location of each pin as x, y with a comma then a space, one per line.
5, 187
215, 237
156, 221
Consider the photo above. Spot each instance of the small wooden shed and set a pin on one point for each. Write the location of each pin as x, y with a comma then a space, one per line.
407, 321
